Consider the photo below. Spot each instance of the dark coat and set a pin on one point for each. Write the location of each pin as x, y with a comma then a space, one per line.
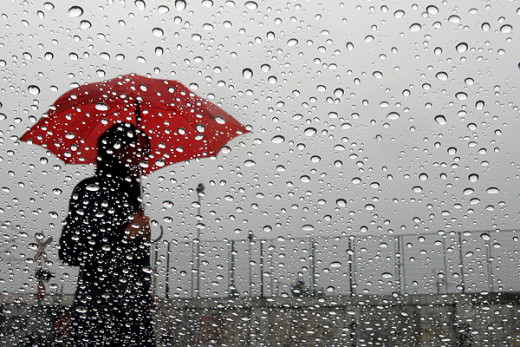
114, 274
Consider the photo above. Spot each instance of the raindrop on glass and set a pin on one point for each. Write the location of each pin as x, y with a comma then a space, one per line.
75, 11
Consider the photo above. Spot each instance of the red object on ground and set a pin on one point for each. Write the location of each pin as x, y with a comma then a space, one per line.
179, 124
64, 324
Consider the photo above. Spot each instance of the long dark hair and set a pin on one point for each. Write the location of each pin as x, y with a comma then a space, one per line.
117, 137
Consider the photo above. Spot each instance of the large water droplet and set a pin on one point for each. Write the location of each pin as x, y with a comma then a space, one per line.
442, 76
251, 5
75, 11
180, 5
440, 119
310, 131
101, 106
462, 47
247, 73
158, 32
278, 139
34, 90
393, 116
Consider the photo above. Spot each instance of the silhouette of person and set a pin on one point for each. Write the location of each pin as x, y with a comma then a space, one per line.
106, 233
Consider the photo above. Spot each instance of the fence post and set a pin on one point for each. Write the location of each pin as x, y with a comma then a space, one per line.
232, 288
313, 266
461, 264
261, 268
446, 284
397, 250
167, 286
489, 266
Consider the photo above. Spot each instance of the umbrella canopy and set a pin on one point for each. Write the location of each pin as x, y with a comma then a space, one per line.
179, 124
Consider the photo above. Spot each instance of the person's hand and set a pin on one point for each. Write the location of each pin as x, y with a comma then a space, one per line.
139, 227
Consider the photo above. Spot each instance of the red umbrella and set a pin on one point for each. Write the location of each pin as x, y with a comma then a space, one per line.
179, 124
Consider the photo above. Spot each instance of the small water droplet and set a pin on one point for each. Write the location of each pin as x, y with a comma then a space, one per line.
479, 105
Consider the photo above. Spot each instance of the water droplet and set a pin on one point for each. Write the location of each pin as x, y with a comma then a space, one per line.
158, 32
278, 139
415, 27
454, 19
387, 275
85, 24
310, 131
442, 76
70, 136
92, 187
335, 264
492, 190
167, 204
399, 14
506, 29
249, 163
452, 151
432, 10
247, 73
462, 47
417, 189
485, 236
251, 5
180, 5
159, 51
308, 227
101, 106
75, 11
163, 9
479, 105
369, 207
140, 4
341, 202
461, 96
423, 177
393, 116
34, 90
485, 26
473, 178
292, 42
440, 119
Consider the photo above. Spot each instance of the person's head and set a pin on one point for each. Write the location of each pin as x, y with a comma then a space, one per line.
121, 150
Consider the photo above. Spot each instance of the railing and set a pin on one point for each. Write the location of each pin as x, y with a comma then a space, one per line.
444, 262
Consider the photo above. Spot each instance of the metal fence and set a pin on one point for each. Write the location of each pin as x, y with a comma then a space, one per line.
450, 262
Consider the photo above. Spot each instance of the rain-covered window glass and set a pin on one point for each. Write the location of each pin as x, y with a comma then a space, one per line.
259, 173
